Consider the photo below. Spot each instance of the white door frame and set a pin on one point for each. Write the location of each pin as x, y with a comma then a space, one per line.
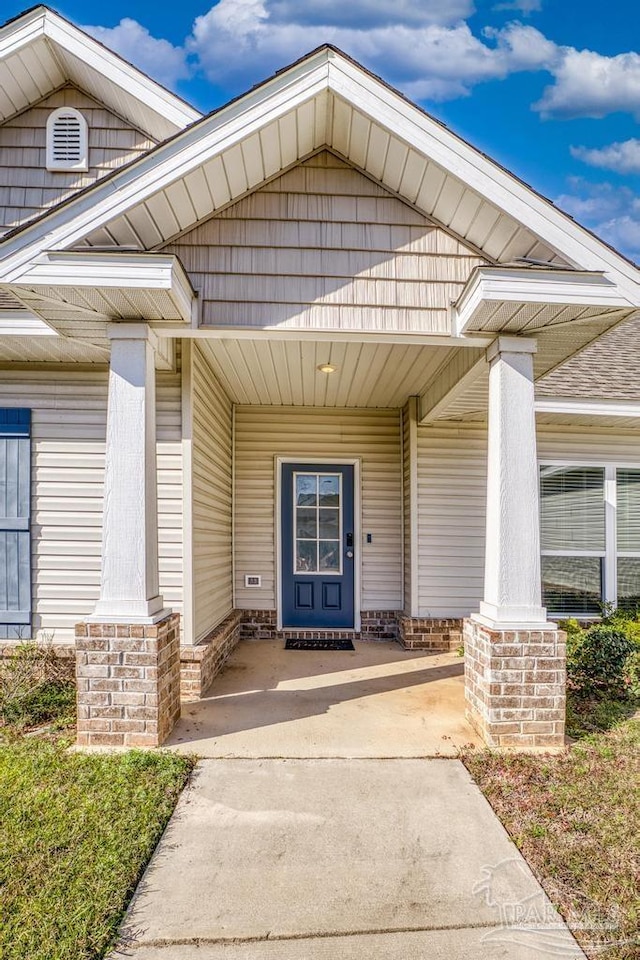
357, 525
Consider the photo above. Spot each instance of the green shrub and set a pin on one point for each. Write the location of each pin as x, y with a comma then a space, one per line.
36, 686
596, 661
631, 673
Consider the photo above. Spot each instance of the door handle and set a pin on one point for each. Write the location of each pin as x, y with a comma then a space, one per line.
349, 554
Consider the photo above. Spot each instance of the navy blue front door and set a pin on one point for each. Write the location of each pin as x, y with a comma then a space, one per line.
318, 545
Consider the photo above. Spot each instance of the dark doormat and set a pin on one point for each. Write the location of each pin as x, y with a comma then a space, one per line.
294, 644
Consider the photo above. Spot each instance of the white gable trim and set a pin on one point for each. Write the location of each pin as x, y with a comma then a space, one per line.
431, 138
42, 22
324, 70
69, 224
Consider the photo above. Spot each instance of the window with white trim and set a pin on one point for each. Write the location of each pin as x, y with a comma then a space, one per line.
67, 141
590, 538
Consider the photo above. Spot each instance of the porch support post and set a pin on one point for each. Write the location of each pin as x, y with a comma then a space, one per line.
129, 590
128, 651
514, 657
512, 588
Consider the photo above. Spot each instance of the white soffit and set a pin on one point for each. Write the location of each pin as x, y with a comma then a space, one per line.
325, 100
40, 51
525, 301
115, 286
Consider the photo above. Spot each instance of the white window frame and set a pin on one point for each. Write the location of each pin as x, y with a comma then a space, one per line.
61, 166
610, 554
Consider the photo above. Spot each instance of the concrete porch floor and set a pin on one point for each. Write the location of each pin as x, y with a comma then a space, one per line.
379, 701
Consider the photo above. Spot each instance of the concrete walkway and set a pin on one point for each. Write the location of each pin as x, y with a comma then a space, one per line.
377, 701
324, 859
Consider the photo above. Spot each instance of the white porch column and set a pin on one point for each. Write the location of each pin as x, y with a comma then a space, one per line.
129, 591
512, 590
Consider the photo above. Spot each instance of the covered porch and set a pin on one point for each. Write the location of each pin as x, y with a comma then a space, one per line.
406, 587
378, 700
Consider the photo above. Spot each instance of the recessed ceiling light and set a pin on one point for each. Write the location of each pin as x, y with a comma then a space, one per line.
326, 368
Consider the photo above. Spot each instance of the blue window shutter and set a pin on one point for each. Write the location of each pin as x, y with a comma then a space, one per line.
15, 516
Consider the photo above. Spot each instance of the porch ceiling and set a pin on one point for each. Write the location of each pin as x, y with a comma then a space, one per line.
285, 372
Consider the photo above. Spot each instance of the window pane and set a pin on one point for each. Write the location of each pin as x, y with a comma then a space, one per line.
306, 490
329, 524
572, 585
329, 490
572, 508
628, 491
306, 556
306, 523
329, 554
629, 583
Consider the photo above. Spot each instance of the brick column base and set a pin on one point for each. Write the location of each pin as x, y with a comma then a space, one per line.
128, 682
515, 686
428, 633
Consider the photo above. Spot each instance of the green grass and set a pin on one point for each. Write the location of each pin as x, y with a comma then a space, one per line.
76, 831
575, 817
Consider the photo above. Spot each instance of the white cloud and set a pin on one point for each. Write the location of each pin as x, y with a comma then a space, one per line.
428, 61
365, 14
155, 56
610, 211
588, 84
524, 6
623, 157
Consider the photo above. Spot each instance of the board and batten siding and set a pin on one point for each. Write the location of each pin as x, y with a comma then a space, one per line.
323, 246
211, 503
374, 436
27, 187
69, 410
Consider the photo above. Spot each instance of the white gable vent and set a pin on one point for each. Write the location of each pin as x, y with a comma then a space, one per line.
66, 140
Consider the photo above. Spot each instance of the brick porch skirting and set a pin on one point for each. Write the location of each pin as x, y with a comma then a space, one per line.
202, 662
427, 633
128, 678
515, 686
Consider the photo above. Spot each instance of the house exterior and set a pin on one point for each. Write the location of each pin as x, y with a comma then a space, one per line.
309, 363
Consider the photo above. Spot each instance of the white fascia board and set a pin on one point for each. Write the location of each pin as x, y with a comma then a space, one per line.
45, 23
564, 288
113, 68
322, 335
69, 226
146, 271
501, 188
15, 36
79, 269
591, 408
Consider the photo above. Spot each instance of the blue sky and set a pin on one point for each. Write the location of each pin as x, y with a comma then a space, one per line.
550, 88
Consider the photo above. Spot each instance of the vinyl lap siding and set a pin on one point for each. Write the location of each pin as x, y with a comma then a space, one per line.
451, 519
264, 433
452, 488
323, 246
27, 187
68, 431
211, 498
